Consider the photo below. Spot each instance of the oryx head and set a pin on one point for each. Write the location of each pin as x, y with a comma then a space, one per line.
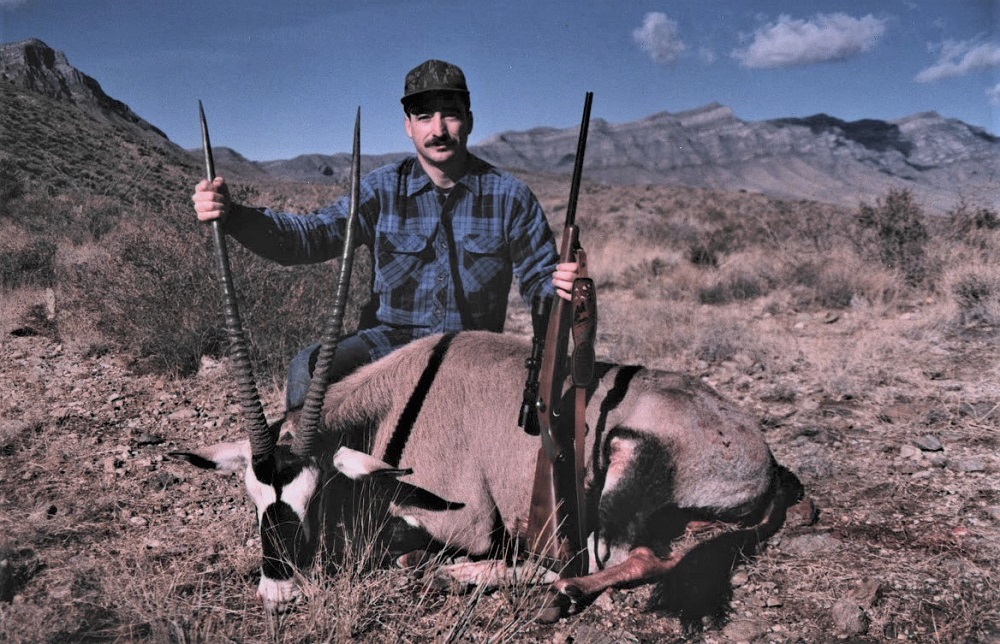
283, 484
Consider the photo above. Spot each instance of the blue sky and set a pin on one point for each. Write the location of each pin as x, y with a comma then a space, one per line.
284, 77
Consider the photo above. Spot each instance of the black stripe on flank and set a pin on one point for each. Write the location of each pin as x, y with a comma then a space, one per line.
400, 435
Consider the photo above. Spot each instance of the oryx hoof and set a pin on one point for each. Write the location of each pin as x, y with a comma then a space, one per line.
569, 589
416, 562
553, 605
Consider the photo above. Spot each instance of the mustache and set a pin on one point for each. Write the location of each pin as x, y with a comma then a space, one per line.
441, 140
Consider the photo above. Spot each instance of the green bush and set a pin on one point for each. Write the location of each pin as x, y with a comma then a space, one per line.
894, 227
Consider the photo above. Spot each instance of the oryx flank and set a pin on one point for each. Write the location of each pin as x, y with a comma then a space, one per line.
438, 418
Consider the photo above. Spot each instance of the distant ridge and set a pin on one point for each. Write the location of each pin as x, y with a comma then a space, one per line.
819, 157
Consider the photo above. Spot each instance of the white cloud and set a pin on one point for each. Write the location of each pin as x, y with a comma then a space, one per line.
993, 94
960, 58
826, 37
659, 37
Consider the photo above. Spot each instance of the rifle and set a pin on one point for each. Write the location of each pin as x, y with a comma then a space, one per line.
556, 522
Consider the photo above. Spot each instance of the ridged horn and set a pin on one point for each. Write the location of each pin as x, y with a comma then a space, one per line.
305, 435
262, 442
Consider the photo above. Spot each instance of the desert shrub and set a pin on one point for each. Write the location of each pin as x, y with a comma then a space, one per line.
143, 292
701, 254
75, 218
149, 288
716, 346
31, 264
11, 183
750, 276
977, 295
738, 287
975, 227
836, 281
894, 228
25, 259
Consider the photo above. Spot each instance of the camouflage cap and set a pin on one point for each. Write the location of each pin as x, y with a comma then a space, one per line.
434, 76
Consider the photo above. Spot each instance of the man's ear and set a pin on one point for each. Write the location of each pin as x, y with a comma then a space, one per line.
470, 123
407, 126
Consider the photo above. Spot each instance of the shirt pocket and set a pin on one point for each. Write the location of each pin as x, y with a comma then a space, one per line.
399, 258
486, 272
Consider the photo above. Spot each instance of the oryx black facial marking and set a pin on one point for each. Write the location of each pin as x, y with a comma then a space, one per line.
283, 528
612, 400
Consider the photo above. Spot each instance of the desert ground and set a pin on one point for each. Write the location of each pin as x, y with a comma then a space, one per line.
876, 382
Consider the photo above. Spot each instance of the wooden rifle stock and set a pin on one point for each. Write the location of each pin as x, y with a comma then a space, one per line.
556, 523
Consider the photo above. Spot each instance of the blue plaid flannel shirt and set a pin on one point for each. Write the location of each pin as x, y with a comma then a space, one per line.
441, 265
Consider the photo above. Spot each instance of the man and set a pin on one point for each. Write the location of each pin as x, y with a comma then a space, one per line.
446, 230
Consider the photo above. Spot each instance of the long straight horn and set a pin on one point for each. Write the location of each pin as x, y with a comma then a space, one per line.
262, 442
309, 425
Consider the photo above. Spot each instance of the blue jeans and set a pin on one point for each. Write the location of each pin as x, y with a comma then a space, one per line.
351, 353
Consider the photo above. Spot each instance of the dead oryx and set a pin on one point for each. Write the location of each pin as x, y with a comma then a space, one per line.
438, 417
425, 445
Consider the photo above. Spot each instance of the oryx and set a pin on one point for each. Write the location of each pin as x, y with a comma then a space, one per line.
438, 418
433, 427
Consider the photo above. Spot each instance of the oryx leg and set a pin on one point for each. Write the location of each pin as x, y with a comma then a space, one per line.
491, 573
641, 565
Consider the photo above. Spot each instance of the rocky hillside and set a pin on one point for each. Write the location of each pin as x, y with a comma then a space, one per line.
33, 65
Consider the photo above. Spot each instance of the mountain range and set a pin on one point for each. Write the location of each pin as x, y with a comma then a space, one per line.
820, 157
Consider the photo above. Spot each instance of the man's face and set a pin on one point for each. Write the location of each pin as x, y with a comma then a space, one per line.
439, 126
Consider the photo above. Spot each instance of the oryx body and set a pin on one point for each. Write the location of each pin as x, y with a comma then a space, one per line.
439, 416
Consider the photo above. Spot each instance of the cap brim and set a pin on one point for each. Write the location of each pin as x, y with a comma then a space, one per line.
423, 92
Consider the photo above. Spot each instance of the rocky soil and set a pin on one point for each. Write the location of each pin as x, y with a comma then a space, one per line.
103, 538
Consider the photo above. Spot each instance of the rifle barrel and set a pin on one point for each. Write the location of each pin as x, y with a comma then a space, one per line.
581, 146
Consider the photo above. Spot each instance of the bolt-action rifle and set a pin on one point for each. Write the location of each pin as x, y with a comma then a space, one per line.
556, 522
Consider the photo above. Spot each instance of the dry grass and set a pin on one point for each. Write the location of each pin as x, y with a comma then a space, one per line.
778, 305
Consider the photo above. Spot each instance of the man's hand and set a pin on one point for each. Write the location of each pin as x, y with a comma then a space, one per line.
211, 200
563, 278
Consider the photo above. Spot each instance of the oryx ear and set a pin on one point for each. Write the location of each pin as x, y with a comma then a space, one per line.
223, 457
358, 465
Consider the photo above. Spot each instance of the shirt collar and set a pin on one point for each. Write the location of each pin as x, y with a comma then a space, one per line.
418, 181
